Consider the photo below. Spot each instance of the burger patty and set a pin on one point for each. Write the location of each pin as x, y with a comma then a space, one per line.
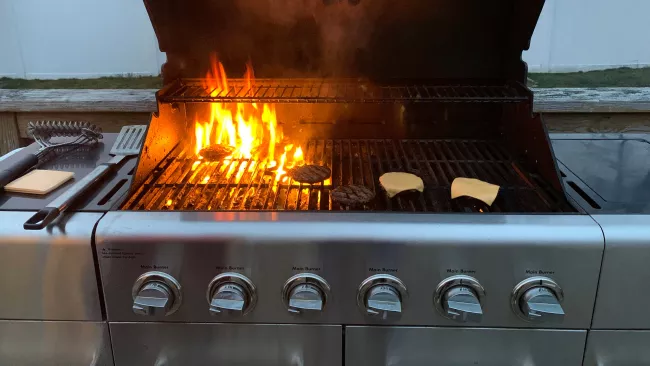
310, 173
216, 152
352, 195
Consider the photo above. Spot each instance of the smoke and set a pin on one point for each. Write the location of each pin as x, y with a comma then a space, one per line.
343, 28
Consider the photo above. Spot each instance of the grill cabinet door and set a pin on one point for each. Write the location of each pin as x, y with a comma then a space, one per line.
373, 346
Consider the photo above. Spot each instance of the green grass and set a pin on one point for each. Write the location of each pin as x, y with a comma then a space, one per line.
624, 77
117, 82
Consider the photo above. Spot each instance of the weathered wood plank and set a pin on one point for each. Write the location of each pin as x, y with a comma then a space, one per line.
598, 122
77, 100
9, 139
574, 100
588, 100
108, 122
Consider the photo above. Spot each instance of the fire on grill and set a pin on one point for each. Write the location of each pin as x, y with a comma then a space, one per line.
246, 132
321, 142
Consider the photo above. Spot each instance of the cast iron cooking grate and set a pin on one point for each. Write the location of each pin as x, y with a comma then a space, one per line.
179, 183
328, 91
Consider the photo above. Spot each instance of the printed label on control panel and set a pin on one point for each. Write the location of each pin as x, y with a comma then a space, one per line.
382, 270
539, 272
460, 271
155, 267
119, 253
229, 268
305, 269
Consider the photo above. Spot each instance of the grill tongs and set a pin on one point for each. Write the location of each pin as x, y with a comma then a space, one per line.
128, 143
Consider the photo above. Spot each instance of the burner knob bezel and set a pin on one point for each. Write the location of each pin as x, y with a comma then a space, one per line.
375, 282
524, 289
472, 287
165, 283
239, 282
314, 282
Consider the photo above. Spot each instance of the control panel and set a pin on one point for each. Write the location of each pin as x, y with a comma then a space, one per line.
393, 270
382, 297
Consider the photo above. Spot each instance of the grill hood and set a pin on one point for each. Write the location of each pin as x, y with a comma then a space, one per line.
374, 39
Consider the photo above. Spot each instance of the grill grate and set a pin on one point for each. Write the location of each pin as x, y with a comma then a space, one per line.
328, 91
181, 184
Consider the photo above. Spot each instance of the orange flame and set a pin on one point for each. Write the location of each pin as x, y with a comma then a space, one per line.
298, 156
242, 126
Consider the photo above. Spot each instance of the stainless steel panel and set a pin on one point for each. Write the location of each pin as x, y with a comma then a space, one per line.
345, 249
226, 344
617, 348
48, 274
372, 346
623, 295
28, 343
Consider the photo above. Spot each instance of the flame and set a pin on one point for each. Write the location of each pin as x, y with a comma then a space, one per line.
280, 172
243, 126
195, 164
298, 156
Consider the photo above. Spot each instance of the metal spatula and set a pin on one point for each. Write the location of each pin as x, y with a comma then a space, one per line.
128, 143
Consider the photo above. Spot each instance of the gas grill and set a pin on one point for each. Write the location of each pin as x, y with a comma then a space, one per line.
253, 267
233, 261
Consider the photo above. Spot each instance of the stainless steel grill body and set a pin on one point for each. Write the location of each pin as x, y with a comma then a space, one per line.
51, 310
621, 320
345, 248
37, 343
51, 306
211, 251
608, 175
229, 344
50, 289
368, 346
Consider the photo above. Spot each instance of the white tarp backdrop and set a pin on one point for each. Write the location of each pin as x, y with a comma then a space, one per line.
46, 39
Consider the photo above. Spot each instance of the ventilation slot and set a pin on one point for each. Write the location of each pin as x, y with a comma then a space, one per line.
584, 195
112, 192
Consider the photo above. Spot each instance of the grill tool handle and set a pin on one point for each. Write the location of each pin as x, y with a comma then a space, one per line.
52, 211
17, 168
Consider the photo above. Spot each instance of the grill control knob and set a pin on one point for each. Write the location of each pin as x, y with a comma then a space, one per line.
231, 294
305, 293
229, 297
538, 299
384, 301
459, 298
156, 293
382, 296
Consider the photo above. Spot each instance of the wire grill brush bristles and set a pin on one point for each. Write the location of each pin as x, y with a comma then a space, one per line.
45, 130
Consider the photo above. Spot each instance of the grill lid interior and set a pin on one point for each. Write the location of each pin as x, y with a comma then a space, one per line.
375, 39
